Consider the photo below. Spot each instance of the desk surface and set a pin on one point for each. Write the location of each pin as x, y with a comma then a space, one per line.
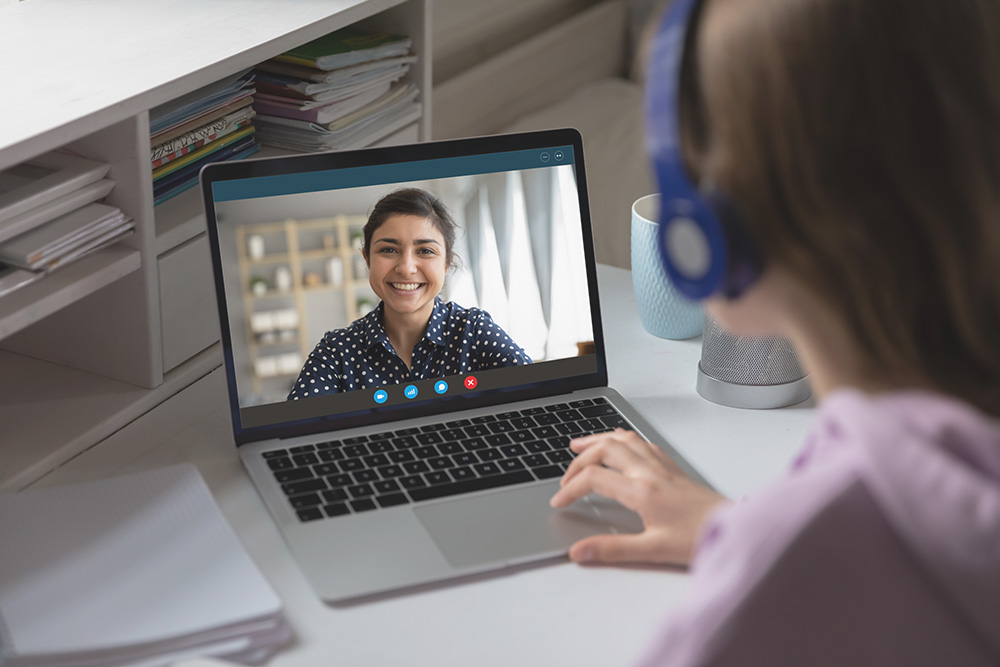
556, 611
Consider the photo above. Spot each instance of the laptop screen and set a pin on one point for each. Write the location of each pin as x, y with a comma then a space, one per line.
375, 285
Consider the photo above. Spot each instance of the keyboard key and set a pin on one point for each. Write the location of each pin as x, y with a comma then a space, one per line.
484, 469
302, 449
339, 480
465, 472
432, 427
389, 472
544, 431
356, 440
306, 486
453, 434
304, 459
416, 467
450, 448
376, 460
275, 453
426, 452
535, 460
457, 423
592, 426
474, 430
569, 428
465, 458
598, 410
559, 455
335, 495
310, 514
414, 482
600, 400
386, 486
508, 465
513, 450
307, 500
361, 491
354, 451
324, 469
537, 446
337, 509
483, 419
401, 456
470, 485
362, 476
405, 442
437, 477
472, 444
351, 465
490, 454
548, 472
380, 447
615, 421
328, 445
569, 415
527, 412
583, 402
380, 436
280, 464
331, 454
440, 463
363, 504
498, 439
392, 499
500, 427
429, 438
508, 415
557, 407
547, 418
559, 442
407, 431
523, 422
293, 475
521, 436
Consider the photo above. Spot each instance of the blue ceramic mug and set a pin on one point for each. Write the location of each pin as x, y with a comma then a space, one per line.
663, 310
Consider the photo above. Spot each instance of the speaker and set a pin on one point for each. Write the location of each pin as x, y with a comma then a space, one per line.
749, 371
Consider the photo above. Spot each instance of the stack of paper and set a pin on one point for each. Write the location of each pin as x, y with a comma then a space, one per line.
46, 213
340, 91
211, 124
139, 569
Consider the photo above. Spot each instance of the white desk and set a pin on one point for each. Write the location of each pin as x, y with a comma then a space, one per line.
554, 613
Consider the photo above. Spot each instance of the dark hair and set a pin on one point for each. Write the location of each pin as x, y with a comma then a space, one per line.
861, 140
413, 201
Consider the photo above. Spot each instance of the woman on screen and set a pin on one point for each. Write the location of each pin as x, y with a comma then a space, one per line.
412, 334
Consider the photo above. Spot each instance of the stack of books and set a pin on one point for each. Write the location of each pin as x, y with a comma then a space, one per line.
211, 124
343, 90
50, 216
140, 569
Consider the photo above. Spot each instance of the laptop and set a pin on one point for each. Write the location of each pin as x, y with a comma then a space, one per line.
402, 481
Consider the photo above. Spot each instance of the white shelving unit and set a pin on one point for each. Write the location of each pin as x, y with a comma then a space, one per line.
92, 347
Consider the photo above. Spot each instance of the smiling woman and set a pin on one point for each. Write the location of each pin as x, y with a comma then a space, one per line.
412, 334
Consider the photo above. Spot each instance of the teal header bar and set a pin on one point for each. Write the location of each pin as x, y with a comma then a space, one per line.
399, 172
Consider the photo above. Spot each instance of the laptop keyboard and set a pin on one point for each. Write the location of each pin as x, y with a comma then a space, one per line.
409, 465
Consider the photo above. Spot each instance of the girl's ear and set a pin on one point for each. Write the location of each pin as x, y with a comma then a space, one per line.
365, 255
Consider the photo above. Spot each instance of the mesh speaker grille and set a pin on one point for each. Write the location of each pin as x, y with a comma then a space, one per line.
745, 360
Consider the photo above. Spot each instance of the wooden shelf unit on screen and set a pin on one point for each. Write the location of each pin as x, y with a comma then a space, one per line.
319, 258
119, 333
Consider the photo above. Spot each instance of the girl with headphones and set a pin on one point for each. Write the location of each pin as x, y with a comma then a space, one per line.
830, 173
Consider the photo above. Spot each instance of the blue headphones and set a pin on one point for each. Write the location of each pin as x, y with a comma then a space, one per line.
703, 240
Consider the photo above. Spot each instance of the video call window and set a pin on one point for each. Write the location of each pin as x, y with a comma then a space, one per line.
297, 280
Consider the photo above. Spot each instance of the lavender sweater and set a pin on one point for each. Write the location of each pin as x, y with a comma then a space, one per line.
880, 547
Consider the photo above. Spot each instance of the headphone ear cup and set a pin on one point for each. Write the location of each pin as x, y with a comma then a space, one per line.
693, 246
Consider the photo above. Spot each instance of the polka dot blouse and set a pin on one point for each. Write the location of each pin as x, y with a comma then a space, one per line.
458, 341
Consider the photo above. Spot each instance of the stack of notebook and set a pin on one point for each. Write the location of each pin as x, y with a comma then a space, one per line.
138, 569
210, 124
49, 216
343, 90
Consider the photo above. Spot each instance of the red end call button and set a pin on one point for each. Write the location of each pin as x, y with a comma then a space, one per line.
471, 382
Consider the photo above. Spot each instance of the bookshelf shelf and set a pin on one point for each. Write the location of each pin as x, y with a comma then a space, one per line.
109, 337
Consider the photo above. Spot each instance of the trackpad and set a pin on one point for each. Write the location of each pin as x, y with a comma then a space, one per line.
514, 526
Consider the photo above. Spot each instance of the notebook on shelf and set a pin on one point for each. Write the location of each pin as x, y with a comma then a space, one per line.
395, 483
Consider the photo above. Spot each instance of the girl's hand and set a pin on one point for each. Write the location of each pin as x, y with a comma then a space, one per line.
623, 466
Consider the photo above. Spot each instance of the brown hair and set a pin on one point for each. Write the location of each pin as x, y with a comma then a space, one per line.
861, 141
413, 201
